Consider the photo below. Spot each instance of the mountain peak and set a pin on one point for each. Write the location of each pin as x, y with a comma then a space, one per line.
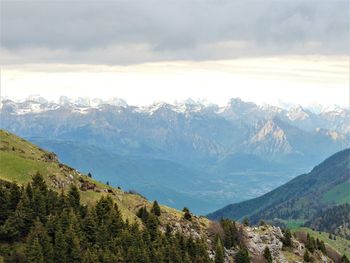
297, 113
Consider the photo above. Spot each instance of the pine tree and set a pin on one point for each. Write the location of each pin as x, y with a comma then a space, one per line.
187, 214
310, 243
13, 197
74, 198
39, 232
219, 250
143, 214
60, 247
115, 222
73, 246
38, 183
242, 256
35, 252
156, 209
231, 233
246, 221
287, 238
90, 226
38, 204
267, 255
4, 201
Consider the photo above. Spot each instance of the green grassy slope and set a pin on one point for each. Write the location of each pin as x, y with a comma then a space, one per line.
341, 245
20, 160
300, 198
339, 194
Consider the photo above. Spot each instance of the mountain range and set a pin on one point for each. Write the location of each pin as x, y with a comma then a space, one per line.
194, 153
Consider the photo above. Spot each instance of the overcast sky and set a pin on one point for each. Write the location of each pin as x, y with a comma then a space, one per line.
143, 51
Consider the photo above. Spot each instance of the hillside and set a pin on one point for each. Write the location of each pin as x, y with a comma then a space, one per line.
20, 160
301, 198
335, 220
62, 214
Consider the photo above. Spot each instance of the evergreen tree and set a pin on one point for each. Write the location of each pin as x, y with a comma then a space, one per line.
73, 246
307, 257
310, 243
89, 226
267, 255
156, 209
219, 250
39, 184
35, 252
287, 238
60, 247
13, 197
246, 221
231, 233
143, 214
39, 232
187, 214
74, 198
242, 256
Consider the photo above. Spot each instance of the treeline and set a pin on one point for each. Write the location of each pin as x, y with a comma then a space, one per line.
39, 225
335, 220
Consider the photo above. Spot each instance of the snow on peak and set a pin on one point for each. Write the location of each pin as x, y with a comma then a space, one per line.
297, 113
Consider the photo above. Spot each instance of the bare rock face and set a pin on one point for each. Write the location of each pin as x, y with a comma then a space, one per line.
258, 238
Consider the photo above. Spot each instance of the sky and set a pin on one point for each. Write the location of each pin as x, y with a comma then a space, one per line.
164, 50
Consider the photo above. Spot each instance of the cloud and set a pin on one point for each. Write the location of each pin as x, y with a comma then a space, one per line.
129, 32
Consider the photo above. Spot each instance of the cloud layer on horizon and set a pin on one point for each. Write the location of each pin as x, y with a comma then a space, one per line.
131, 32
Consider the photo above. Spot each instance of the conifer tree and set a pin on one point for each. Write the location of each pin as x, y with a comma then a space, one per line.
219, 250
89, 226
74, 198
35, 252
267, 255
73, 246
60, 247
287, 238
242, 256
156, 209
246, 221
187, 214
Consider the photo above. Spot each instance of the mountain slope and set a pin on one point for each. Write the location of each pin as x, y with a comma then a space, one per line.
300, 198
21, 160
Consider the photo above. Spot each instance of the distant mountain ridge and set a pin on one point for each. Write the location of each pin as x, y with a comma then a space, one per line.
301, 198
201, 137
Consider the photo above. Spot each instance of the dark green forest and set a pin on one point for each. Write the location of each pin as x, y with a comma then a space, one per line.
40, 225
335, 220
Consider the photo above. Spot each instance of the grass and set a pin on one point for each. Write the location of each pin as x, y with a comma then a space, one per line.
293, 223
340, 194
342, 245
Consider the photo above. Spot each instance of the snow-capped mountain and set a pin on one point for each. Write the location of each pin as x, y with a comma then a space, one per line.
205, 138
